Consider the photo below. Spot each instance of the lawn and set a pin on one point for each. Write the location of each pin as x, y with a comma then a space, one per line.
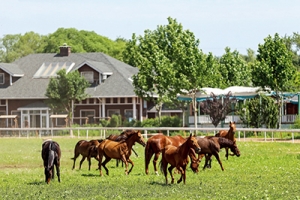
265, 170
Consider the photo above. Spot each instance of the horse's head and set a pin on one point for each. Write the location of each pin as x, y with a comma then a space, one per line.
194, 161
48, 174
194, 143
140, 138
232, 126
234, 149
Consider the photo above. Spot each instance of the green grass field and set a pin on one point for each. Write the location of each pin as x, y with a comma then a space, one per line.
265, 170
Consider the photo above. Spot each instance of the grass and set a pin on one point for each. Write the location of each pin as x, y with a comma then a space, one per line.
265, 170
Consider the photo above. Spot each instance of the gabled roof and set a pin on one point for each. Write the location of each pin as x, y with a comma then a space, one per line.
119, 84
12, 69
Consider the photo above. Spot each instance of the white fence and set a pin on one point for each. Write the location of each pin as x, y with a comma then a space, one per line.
242, 134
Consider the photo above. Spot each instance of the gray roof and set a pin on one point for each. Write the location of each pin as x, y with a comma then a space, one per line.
12, 69
119, 84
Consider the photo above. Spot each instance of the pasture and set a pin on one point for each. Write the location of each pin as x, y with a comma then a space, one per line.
265, 170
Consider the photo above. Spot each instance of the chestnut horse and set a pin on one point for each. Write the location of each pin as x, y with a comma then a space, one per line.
156, 144
51, 154
178, 157
88, 149
229, 135
211, 145
119, 150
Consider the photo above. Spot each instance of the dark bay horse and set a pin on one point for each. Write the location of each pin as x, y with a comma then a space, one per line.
88, 149
119, 150
51, 154
229, 135
211, 146
177, 157
156, 144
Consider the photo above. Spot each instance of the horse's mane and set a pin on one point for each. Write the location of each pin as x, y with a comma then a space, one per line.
225, 141
122, 137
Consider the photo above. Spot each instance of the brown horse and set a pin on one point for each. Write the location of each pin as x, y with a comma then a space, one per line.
178, 157
88, 149
119, 150
229, 135
211, 146
51, 154
156, 144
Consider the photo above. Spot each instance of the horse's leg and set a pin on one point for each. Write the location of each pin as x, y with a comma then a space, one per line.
226, 155
183, 175
135, 153
107, 159
100, 157
208, 158
74, 159
164, 165
83, 158
170, 171
206, 161
57, 164
148, 156
132, 164
89, 161
218, 158
156, 156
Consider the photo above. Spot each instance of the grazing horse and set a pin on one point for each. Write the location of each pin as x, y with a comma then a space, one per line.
119, 150
156, 144
88, 149
178, 157
211, 146
229, 135
51, 154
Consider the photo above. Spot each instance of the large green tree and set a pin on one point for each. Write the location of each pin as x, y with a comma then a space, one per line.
234, 69
64, 90
169, 62
274, 68
16, 46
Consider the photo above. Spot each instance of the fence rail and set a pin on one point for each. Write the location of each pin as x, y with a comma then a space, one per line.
260, 134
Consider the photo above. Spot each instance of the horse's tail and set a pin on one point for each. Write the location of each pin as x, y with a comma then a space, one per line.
51, 155
148, 155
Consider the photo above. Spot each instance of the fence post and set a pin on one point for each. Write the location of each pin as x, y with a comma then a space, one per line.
265, 136
239, 136
146, 135
87, 133
293, 137
168, 132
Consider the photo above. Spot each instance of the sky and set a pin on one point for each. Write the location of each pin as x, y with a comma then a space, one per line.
237, 24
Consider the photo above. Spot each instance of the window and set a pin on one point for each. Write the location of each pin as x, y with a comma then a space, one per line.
2, 78
89, 76
89, 114
111, 112
128, 114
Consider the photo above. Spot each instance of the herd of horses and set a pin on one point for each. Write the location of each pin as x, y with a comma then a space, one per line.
176, 151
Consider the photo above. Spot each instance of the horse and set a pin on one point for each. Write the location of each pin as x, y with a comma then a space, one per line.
88, 149
156, 144
178, 157
121, 137
119, 150
211, 145
51, 154
229, 135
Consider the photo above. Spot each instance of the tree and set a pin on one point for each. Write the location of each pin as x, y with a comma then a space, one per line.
169, 60
218, 107
274, 68
64, 90
16, 46
259, 111
84, 41
234, 69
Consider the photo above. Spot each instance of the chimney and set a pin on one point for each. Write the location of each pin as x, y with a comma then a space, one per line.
65, 50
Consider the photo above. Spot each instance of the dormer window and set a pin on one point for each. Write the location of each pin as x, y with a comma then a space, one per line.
2, 80
88, 75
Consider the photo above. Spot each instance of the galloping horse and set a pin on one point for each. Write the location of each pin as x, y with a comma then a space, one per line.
119, 138
88, 149
156, 144
228, 134
211, 146
119, 150
51, 154
178, 157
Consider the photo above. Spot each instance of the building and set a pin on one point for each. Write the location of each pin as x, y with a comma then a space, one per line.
23, 85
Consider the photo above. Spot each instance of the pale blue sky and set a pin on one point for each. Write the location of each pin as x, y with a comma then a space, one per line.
238, 24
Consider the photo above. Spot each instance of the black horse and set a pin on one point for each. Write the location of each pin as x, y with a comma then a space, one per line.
51, 154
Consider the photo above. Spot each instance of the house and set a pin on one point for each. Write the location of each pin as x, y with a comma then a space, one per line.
23, 85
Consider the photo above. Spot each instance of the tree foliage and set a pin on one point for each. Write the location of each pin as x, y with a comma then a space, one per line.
259, 111
64, 90
168, 59
234, 69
